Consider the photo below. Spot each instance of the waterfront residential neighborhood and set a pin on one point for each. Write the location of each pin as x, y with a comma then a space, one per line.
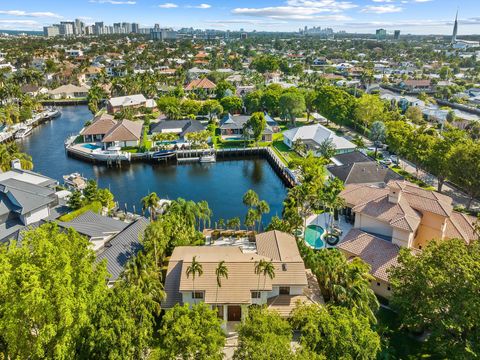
283, 180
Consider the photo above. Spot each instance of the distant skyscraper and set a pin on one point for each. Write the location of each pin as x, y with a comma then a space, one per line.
455, 29
381, 34
135, 28
50, 31
98, 28
396, 35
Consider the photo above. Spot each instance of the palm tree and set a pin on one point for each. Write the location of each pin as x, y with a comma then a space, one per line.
220, 271
150, 203
205, 213
194, 269
262, 208
268, 269
250, 198
259, 266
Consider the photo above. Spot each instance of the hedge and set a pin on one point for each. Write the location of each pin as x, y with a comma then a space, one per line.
95, 206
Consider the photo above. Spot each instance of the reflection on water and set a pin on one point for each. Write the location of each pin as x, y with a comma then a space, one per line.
221, 184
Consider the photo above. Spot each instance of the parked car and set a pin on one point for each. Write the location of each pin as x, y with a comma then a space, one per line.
386, 162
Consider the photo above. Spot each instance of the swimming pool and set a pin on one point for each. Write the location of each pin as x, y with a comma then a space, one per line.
91, 146
313, 236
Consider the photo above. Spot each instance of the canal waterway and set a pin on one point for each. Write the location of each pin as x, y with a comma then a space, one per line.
222, 184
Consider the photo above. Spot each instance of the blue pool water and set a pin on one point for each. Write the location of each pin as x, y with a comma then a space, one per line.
91, 146
313, 236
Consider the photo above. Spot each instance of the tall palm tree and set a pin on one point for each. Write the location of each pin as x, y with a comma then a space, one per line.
259, 266
221, 272
150, 203
194, 269
268, 269
250, 198
263, 208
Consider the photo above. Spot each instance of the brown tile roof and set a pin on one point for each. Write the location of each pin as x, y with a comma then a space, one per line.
378, 253
125, 130
356, 194
399, 215
289, 270
284, 304
461, 226
101, 125
278, 246
204, 83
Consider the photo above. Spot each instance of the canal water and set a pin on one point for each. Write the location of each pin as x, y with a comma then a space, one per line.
222, 184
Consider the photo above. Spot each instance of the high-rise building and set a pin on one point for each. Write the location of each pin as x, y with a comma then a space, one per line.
50, 31
160, 34
135, 28
66, 28
98, 28
455, 29
381, 34
127, 27
396, 35
79, 27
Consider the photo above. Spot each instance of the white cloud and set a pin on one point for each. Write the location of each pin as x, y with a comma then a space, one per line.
113, 2
201, 6
381, 9
168, 6
38, 14
302, 10
14, 24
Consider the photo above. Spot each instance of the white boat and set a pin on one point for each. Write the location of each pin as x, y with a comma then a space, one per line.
23, 132
52, 113
75, 181
208, 157
113, 153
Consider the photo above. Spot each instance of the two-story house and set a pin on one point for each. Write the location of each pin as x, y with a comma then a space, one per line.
399, 214
244, 286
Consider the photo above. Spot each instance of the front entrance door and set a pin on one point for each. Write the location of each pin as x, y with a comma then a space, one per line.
234, 313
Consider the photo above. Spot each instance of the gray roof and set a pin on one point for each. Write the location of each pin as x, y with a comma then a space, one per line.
94, 225
351, 157
368, 172
14, 230
122, 247
28, 197
187, 126
238, 121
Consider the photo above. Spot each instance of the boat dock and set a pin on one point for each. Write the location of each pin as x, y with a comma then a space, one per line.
33, 122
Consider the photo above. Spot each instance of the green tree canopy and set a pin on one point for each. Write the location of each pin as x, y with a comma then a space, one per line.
191, 333
437, 291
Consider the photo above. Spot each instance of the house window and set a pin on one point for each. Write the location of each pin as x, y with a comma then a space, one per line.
197, 295
378, 284
388, 288
284, 267
256, 295
284, 290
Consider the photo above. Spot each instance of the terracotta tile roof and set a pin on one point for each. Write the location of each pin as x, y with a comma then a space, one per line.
278, 246
101, 125
125, 130
461, 226
242, 280
204, 83
399, 215
378, 253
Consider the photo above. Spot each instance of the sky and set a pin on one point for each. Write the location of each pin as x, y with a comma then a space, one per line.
409, 16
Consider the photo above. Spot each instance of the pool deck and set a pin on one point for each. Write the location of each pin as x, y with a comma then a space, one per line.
322, 220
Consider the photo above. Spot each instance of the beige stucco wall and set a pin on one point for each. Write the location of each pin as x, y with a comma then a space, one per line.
402, 238
431, 227
380, 288
372, 225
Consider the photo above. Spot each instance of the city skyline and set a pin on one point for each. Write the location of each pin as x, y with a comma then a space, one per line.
272, 15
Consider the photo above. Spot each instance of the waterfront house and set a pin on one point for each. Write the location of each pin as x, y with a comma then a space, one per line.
314, 135
243, 287
178, 127
110, 132
25, 199
69, 92
125, 133
231, 127
112, 239
136, 101
99, 127
399, 214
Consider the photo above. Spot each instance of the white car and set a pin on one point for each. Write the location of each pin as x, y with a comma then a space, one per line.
386, 162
